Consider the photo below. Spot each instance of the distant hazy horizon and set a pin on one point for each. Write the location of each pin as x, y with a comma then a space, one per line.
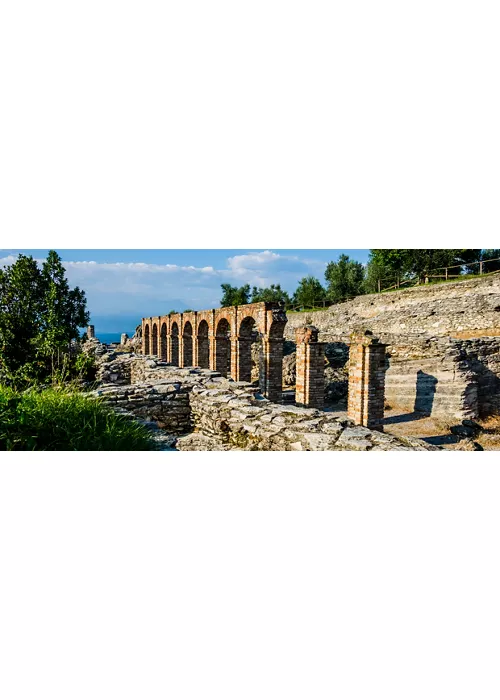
123, 286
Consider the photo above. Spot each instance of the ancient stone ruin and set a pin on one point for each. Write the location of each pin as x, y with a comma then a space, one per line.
253, 378
221, 340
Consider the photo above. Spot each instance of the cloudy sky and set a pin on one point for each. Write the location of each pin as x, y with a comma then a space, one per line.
124, 285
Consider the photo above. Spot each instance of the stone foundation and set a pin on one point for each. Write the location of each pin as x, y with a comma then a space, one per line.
217, 413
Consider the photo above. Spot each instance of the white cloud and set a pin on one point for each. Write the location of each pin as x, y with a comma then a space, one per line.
140, 289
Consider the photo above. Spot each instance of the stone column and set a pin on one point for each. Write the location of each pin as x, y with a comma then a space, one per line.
310, 368
366, 381
271, 368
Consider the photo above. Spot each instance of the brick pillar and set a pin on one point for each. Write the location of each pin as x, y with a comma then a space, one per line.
235, 352
169, 347
366, 381
310, 368
211, 345
181, 350
241, 359
196, 362
271, 368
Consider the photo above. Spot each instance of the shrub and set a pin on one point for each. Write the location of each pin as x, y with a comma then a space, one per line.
59, 419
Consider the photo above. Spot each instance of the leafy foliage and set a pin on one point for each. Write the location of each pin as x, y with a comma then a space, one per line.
309, 292
272, 293
55, 419
401, 263
235, 296
40, 316
490, 254
345, 279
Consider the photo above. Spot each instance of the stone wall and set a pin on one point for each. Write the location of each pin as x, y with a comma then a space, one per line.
461, 309
166, 402
444, 377
252, 423
217, 413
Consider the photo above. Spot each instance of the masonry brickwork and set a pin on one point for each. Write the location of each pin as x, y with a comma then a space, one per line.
200, 410
310, 368
366, 381
221, 340
441, 354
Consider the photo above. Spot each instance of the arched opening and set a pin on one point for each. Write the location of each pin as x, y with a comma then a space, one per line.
163, 342
247, 337
223, 348
203, 345
187, 345
155, 339
271, 360
174, 333
146, 339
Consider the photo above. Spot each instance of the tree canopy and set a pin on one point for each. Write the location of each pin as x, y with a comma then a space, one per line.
39, 316
345, 279
235, 296
272, 293
309, 292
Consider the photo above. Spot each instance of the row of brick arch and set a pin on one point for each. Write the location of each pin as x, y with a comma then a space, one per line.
221, 340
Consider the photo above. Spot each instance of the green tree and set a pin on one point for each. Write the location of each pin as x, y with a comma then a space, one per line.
272, 293
392, 264
345, 279
21, 304
40, 316
310, 292
235, 296
64, 312
489, 254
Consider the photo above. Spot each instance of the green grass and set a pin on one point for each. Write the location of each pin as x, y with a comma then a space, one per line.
62, 419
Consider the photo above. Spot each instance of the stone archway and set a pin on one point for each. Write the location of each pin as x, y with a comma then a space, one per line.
146, 339
246, 336
203, 345
163, 342
223, 348
155, 339
174, 354
187, 345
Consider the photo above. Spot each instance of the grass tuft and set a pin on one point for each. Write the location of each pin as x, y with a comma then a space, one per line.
62, 419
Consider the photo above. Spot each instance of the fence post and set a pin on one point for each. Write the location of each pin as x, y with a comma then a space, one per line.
481, 267
446, 273
379, 286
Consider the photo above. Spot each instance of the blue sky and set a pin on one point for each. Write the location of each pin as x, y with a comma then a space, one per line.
124, 285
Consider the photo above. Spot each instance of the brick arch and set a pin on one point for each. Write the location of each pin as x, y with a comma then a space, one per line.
163, 342
203, 344
223, 346
146, 339
154, 343
174, 340
276, 323
227, 314
187, 344
247, 334
227, 336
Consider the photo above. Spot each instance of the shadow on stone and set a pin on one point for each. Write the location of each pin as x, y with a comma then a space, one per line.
405, 418
426, 389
